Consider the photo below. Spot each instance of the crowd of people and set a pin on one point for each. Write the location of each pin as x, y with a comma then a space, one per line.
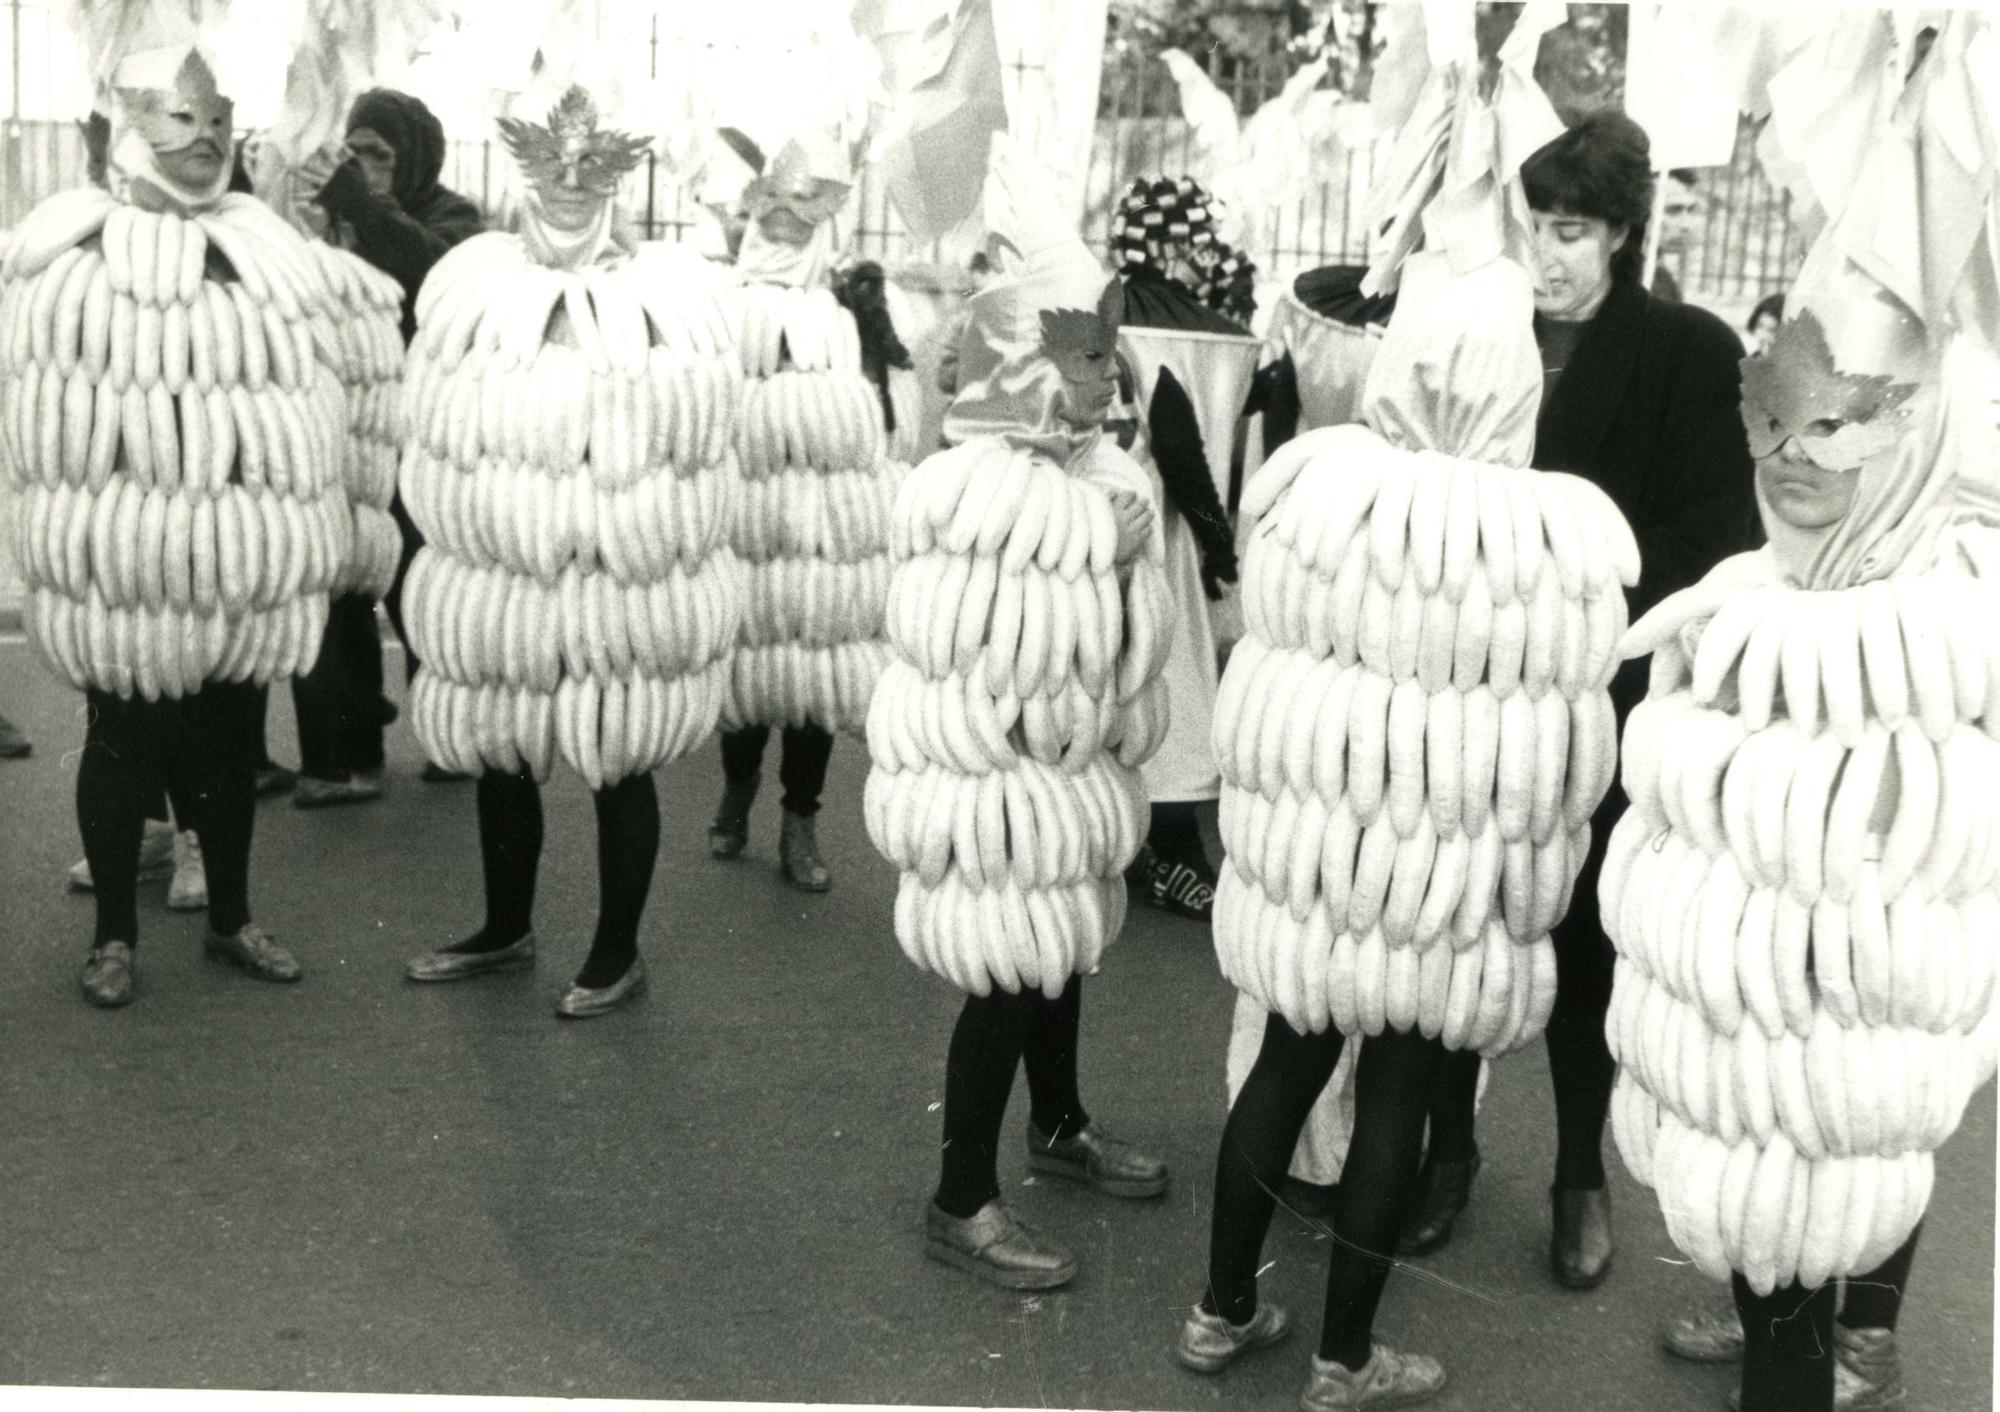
1021, 626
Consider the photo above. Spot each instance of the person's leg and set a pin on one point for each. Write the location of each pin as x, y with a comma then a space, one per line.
986, 1046
510, 855
1444, 1186
1788, 1363
272, 778
1256, 1149
802, 771
1581, 1072
213, 776
742, 759
1864, 1338
392, 601
117, 778
1049, 1054
628, 841
1395, 1074
1875, 1300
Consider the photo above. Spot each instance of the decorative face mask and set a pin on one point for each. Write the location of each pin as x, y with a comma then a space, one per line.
794, 197
184, 110
1083, 346
1840, 420
574, 165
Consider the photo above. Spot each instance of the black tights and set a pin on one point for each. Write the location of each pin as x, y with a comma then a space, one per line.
1395, 1073
510, 852
201, 750
801, 768
1788, 1363
994, 1034
1174, 833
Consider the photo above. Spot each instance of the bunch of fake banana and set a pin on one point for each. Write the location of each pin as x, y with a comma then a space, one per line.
176, 440
1803, 900
811, 515
568, 462
1021, 696
1413, 736
360, 338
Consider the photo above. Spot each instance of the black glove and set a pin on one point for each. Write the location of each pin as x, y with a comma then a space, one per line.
1218, 567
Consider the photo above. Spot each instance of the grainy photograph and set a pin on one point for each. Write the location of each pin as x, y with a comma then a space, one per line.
1440, 560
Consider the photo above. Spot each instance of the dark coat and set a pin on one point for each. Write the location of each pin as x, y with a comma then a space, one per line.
1649, 409
406, 235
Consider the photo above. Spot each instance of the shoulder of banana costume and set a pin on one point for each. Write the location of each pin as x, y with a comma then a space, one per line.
1318, 347
1415, 732
1804, 891
568, 461
175, 431
826, 432
1023, 688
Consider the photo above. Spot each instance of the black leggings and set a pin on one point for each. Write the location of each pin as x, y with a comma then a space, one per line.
994, 1034
1788, 1363
392, 601
801, 769
202, 751
340, 705
510, 852
1395, 1073
1174, 834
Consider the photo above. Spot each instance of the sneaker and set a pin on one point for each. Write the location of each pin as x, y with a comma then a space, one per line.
1180, 888
1867, 1373
188, 892
252, 951
1707, 1335
156, 858
1209, 1343
1387, 1379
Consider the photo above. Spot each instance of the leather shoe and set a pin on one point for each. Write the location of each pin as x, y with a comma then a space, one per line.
1443, 1189
1712, 1334
109, 975
994, 1245
1580, 1249
1093, 1155
253, 952
729, 835
447, 965
583, 1002
798, 855
1209, 1343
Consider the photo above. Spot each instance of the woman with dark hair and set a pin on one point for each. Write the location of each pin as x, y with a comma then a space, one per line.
1642, 398
1764, 321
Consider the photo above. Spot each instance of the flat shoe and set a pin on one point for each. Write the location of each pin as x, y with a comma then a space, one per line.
995, 1245
443, 965
253, 952
1094, 1156
109, 976
583, 1003
1209, 1343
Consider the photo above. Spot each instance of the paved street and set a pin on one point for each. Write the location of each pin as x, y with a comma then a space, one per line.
359, 1185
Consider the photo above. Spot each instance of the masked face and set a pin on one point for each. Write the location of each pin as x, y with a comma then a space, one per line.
187, 124
376, 158
1795, 401
1805, 495
574, 166
1083, 347
789, 202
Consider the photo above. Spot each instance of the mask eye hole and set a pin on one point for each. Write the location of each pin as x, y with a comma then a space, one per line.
1824, 426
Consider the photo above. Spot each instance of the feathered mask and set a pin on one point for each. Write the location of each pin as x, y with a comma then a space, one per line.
572, 141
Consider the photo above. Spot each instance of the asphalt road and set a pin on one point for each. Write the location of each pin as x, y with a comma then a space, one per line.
359, 1185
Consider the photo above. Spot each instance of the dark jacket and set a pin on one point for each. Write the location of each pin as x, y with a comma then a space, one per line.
406, 235
1649, 409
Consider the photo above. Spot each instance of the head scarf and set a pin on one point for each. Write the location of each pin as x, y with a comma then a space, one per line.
410, 127
1458, 371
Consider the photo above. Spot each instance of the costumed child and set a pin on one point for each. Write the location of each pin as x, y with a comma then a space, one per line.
177, 442
1191, 367
811, 511
1028, 622
570, 404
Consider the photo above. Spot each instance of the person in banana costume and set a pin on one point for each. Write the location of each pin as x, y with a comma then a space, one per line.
811, 516
570, 405
1027, 625
1827, 975
175, 437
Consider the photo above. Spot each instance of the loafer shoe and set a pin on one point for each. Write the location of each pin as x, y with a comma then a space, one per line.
447, 965
995, 1245
1580, 1247
1707, 1335
584, 1002
1443, 1189
109, 975
1387, 1379
254, 952
1092, 1155
326, 794
1209, 1343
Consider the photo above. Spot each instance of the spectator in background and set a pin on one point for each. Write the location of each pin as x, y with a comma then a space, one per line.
1764, 321
1681, 215
383, 201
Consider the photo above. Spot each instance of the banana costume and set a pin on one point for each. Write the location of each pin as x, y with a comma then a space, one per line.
169, 418
1804, 892
570, 409
361, 339
1415, 730
1023, 690
812, 509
